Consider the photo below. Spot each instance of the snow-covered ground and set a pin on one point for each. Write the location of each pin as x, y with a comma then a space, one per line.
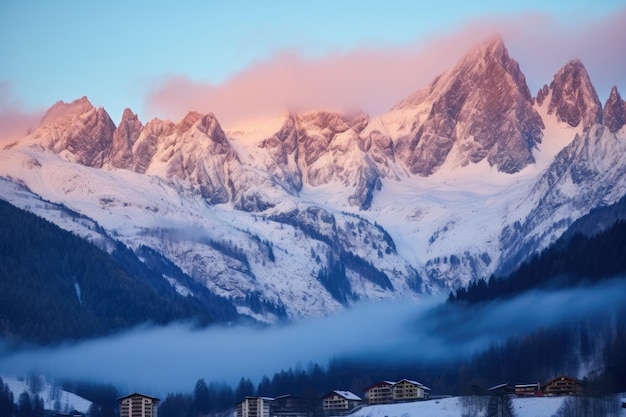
453, 407
53, 396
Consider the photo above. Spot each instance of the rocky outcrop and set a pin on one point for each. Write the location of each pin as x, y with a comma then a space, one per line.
124, 139
282, 148
574, 99
78, 131
614, 112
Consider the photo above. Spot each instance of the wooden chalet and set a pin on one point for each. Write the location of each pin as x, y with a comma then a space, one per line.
562, 385
380, 393
408, 390
340, 401
528, 390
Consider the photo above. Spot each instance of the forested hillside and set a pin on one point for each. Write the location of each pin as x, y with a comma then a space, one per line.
573, 260
56, 286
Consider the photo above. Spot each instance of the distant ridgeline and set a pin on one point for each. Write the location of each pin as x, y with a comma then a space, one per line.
56, 286
592, 250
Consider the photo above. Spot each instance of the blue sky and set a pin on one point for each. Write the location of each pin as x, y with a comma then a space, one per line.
163, 58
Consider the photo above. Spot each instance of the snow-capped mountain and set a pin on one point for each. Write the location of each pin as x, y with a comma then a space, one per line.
311, 212
481, 109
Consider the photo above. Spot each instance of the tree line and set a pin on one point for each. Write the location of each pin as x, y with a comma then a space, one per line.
570, 261
56, 286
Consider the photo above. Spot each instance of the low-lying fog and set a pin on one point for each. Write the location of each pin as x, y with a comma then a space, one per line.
173, 358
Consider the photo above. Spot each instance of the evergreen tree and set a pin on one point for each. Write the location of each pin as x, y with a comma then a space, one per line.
201, 398
244, 389
38, 406
25, 406
265, 388
176, 405
6, 399
500, 406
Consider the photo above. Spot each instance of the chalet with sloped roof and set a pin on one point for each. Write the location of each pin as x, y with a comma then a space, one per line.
528, 390
409, 390
388, 392
380, 393
562, 385
340, 401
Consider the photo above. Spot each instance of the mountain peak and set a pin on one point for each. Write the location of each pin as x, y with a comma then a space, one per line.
78, 130
124, 138
480, 109
574, 99
490, 51
62, 109
493, 46
614, 112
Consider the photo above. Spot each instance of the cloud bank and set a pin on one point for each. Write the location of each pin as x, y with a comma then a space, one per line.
15, 120
374, 79
172, 358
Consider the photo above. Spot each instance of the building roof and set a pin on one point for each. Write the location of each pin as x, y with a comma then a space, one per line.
561, 377
256, 398
345, 394
495, 387
410, 381
280, 397
136, 394
379, 383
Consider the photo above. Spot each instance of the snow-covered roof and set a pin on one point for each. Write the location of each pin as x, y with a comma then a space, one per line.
419, 384
379, 383
499, 386
348, 395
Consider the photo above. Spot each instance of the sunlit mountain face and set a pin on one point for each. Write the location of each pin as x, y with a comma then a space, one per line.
316, 220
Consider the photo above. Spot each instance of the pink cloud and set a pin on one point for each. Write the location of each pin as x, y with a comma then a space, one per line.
374, 79
15, 121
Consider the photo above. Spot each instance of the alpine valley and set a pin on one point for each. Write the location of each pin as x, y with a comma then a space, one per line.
306, 214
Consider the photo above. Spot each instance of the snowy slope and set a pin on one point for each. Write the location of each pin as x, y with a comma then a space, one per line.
453, 407
53, 396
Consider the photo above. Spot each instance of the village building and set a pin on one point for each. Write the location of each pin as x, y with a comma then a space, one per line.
254, 407
408, 390
138, 405
528, 390
562, 385
380, 393
501, 389
340, 401
291, 406
388, 392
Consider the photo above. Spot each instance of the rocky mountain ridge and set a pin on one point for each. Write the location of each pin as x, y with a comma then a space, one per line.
317, 210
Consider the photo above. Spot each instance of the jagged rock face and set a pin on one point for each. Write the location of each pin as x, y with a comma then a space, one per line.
201, 155
574, 99
78, 131
282, 148
124, 138
147, 145
542, 94
329, 149
614, 112
483, 108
